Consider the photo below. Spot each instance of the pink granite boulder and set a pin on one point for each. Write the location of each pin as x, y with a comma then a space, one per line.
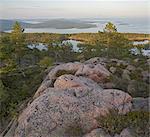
97, 72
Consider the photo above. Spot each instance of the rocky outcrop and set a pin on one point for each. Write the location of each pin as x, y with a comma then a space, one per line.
120, 100
97, 133
126, 75
52, 113
130, 68
10, 129
97, 60
141, 104
112, 69
69, 101
146, 76
96, 72
125, 133
70, 81
54, 73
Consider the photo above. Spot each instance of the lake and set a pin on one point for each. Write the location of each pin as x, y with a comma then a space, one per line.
123, 25
41, 46
140, 42
134, 50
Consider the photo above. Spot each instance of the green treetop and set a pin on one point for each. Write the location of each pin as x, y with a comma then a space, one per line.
17, 34
18, 42
110, 27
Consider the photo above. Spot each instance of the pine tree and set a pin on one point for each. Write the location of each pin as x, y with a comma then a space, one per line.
110, 27
17, 40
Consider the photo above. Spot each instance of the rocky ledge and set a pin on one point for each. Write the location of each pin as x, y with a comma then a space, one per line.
71, 98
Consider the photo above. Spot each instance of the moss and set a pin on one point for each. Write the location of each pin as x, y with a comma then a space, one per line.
63, 72
114, 123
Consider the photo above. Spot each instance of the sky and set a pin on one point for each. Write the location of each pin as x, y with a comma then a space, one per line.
37, 9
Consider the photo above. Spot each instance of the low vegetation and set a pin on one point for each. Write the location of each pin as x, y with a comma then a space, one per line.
92, 37
137, 121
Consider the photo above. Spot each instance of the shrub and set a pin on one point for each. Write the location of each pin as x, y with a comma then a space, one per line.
119, 72
114, 123
46, 62
136, 75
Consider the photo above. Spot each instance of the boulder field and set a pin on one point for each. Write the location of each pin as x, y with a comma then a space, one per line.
70, 99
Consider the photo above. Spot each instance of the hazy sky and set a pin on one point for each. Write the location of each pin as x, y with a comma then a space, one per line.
73, 8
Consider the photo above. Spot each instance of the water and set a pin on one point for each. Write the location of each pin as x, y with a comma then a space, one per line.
74, 44
136, 51
123, 25
41, 46
140, 42
31, 22
146, 52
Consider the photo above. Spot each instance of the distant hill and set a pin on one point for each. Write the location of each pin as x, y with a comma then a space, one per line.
62, 24
54, 23
7, 24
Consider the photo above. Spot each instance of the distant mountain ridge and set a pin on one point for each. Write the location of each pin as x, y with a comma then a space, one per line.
53, 23
8, 24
